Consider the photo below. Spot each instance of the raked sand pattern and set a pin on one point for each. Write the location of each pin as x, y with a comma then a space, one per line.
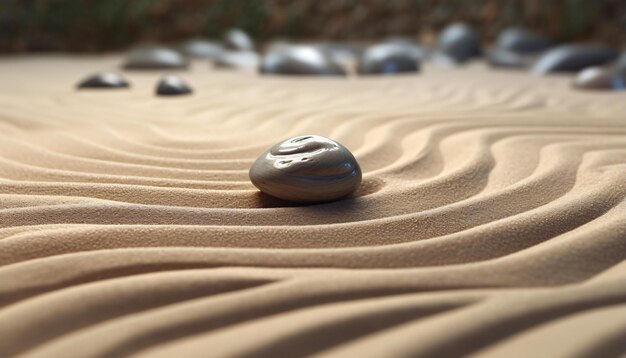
491, 220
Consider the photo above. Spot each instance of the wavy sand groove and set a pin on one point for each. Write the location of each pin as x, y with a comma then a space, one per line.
491, 220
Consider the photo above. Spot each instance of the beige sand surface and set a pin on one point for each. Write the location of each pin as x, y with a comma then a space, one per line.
491, 220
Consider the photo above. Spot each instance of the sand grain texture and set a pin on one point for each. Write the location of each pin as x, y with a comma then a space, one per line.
491, 220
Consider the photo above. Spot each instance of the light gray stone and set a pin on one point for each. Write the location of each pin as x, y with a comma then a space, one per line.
299, 60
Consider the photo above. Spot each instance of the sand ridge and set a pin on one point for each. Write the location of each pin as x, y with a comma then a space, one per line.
491, 216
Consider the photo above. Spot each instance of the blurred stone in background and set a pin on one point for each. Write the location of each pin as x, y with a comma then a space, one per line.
93, 26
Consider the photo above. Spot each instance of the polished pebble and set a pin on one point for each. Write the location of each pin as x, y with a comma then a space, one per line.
205, 49
306, 169
104, 80
236, 39
171, 85
521, 40
155, 58
389, 58
459, 42
600, 78
299, 60
573, 58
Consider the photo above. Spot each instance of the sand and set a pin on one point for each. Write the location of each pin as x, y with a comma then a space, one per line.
491, 220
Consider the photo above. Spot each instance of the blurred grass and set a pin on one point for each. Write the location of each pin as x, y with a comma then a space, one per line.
105, 25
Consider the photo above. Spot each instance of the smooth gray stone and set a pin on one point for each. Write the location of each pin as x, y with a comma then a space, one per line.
299, 60
460, 42
308, 169
573, 58
521, 40
205, 49
599, 78
155, 58
389, 58
171, 85
104, 80
508, 59
237, 39
338, 52
243, 60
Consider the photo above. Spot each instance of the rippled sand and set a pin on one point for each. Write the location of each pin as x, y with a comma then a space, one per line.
491, 220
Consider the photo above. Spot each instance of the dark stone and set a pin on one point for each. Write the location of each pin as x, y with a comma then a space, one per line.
238, 40
155, 58
573, 58
459, 42
199, 48
509, 59
389, 58
171, 85
598, 78
243, 60
299, 60
520, 40
104, 80
307, 168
